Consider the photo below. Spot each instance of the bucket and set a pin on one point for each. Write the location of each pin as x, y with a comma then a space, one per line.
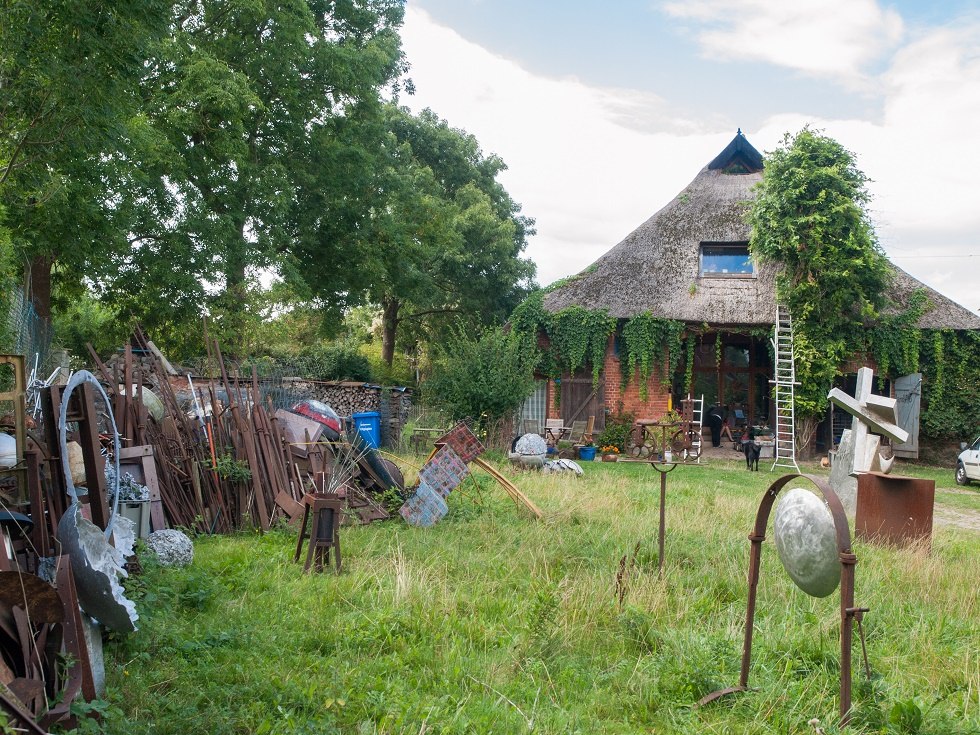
586, 454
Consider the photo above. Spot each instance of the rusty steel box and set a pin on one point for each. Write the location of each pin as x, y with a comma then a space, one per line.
893, 509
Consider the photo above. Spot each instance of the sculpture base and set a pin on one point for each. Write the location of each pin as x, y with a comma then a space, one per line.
894, 510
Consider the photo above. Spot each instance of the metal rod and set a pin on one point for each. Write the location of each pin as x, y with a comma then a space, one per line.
663, 524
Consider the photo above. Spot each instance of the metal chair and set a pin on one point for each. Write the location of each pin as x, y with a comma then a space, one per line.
532, 426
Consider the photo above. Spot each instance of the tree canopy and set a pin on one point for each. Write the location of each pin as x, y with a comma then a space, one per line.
169, 159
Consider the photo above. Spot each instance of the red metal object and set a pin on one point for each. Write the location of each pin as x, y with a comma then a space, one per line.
894, 510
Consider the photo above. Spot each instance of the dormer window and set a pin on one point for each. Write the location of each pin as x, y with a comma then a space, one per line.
725, 260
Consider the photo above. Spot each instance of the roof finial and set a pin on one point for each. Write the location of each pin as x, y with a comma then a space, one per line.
739, 131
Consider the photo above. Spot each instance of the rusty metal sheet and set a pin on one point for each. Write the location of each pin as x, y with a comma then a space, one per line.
33, 593
894, 510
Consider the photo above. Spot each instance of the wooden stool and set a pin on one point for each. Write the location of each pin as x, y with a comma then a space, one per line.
326, 510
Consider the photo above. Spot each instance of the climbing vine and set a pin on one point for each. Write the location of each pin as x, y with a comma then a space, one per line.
647, 341
577, 337
895, 340
689, 365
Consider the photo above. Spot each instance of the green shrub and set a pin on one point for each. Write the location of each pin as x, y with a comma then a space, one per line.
617, 431
484, 379
335, 361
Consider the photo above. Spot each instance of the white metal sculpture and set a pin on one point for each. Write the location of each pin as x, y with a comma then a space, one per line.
870, 412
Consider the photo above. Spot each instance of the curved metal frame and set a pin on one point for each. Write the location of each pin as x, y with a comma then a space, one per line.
847, 609
84, 376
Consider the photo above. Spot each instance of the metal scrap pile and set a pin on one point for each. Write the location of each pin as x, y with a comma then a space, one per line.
214, 456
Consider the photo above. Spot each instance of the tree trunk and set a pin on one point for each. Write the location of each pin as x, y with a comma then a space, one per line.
40, 285
806, 432
235, 299
389, 326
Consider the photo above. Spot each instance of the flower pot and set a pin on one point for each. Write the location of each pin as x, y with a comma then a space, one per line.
610, 457
586, 454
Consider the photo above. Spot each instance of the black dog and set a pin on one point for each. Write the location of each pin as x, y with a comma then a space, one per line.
752, 451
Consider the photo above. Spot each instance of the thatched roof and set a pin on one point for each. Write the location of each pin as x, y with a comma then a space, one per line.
656, 267
944, 314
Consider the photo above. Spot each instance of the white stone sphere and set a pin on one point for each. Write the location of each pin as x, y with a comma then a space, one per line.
531, 445
172, 547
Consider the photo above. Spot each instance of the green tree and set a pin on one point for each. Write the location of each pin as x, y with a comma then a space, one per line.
485, 379
435, 241
810, 217
242, 102
470, 267
69, 72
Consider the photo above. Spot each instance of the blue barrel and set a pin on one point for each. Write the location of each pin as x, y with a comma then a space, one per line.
368, 425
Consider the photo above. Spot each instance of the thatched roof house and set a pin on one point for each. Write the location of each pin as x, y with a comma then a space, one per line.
663, 266
690, 262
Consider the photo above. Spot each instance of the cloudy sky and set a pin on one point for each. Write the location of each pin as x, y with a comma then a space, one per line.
604, 112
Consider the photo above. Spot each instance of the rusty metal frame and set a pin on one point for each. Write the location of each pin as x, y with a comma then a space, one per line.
848, 612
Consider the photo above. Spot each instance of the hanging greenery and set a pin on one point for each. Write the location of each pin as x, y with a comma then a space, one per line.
895, 340
577, 337
647, 340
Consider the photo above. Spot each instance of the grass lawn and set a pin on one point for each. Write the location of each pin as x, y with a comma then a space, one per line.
492, 622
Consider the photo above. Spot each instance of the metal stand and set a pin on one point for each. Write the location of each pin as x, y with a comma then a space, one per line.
326, 510
848, 612
664, 469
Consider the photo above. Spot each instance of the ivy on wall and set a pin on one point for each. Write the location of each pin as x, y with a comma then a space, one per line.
895, 341
950, 365
577, 337
647, 342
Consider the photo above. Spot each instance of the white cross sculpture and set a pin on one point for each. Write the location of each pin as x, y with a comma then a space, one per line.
869, 412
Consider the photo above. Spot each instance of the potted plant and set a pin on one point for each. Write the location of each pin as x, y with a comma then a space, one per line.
610, 453
586, 452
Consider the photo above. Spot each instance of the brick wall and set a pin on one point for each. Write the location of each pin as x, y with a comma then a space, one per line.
658, 397
623, 400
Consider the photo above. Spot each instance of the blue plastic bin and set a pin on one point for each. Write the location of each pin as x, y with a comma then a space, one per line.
368, 425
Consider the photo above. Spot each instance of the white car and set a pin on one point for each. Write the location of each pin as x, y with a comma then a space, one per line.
968, 463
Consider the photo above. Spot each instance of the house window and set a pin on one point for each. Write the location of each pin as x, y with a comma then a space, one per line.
725, 260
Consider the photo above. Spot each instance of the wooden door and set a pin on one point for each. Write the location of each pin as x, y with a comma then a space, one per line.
908, 392
580, 400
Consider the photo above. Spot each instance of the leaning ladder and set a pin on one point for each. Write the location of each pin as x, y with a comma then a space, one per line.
784, 380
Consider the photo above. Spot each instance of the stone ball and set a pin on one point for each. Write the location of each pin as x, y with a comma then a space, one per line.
806, 541
532, 445
173, 548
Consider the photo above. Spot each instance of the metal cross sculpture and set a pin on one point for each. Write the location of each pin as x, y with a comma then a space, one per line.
870, 412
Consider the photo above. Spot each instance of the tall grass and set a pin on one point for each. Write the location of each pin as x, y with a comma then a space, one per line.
492, 622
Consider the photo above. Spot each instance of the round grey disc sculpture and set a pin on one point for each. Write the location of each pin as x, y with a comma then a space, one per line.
806, 541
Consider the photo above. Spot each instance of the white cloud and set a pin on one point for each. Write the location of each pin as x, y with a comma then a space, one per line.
593, 164
588, 164
835, 38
